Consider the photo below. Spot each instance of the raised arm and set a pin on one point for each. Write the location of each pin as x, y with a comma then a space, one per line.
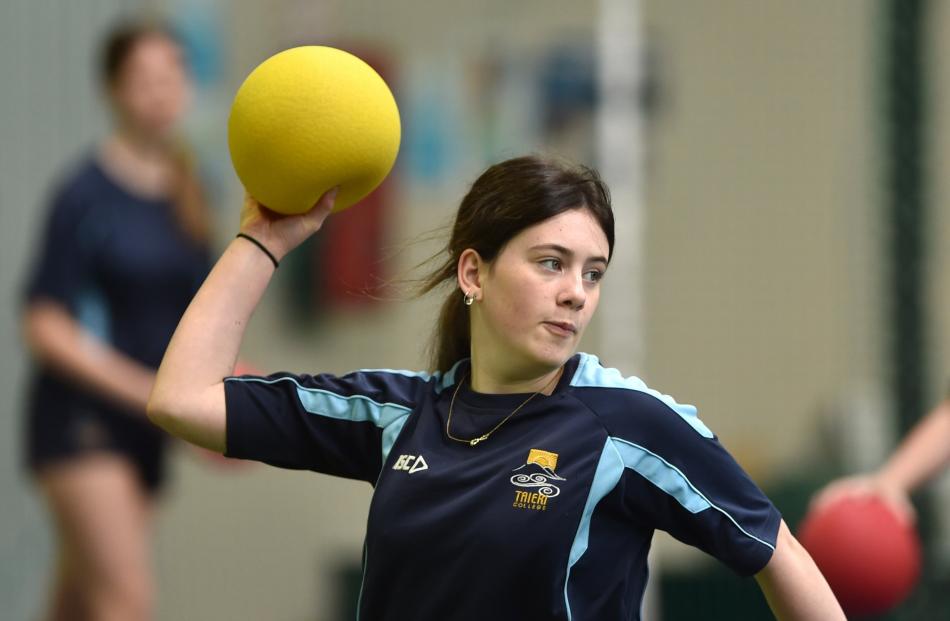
188, 397
793, 585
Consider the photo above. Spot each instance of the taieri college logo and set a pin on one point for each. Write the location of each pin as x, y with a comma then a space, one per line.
536, 474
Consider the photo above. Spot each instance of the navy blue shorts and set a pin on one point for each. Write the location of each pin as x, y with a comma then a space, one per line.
64, 423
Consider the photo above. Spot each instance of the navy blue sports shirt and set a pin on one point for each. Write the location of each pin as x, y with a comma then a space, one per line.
118, 262
550, 518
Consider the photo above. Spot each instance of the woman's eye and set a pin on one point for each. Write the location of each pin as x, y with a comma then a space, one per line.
551, 264
594, 275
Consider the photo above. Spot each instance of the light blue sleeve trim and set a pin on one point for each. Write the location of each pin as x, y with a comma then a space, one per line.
671, 480
606, 476
92, 313
591, 374
420, 374
661, 473
356, 408
618, 454
390, 433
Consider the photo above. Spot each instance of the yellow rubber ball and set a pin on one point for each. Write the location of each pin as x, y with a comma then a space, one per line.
308, 119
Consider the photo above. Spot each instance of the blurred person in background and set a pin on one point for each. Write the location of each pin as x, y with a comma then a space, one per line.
923, 454
521, 479
124, 248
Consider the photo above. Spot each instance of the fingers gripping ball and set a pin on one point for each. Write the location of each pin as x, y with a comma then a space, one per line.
308, 119
869, 557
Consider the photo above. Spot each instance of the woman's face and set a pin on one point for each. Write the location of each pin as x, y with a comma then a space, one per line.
538, 295
152, 90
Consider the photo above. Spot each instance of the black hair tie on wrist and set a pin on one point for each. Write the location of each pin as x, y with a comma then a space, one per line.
262, 247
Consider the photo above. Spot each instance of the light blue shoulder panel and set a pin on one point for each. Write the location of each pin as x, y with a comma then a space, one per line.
390, 417
591, 374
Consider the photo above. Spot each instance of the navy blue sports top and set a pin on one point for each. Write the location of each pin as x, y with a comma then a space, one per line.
550, 518
120, 264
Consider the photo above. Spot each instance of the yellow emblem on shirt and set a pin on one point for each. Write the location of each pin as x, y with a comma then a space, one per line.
545, 459
536, 480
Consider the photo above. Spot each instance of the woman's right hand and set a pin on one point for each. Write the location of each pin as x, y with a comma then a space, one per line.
279, 233
867, 486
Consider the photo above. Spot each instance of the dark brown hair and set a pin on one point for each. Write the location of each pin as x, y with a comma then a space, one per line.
506, 199
188, 199
121, 40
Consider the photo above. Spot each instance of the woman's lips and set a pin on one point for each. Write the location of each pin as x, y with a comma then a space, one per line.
560, 329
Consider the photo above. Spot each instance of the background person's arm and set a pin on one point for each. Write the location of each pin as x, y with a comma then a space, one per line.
60, 343
924, 453
793, 585
188, 397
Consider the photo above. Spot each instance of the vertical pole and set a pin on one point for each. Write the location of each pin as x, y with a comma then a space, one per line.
620, 153
905, 219
906, 209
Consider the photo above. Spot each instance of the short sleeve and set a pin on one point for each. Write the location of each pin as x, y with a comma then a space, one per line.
343, 426
678, 478
64, 258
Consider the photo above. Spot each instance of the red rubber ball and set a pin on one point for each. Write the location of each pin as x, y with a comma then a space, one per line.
869, 557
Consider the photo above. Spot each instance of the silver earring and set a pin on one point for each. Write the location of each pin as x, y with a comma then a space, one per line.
469, 299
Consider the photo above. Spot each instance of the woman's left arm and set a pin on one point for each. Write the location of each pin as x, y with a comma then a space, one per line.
793, 585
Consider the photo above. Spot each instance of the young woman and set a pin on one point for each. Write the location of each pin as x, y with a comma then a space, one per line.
519, 480
123, 252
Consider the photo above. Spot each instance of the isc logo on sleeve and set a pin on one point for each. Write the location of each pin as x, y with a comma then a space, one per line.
411, 463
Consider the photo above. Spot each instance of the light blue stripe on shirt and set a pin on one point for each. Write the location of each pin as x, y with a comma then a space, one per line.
618, 454
671, 480
661, 473
591, 373
92, 312
390, 417
606, 476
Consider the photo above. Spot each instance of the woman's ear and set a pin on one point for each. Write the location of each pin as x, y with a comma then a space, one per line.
470, 268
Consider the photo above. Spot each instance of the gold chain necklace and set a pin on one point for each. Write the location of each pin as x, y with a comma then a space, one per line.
484, 436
